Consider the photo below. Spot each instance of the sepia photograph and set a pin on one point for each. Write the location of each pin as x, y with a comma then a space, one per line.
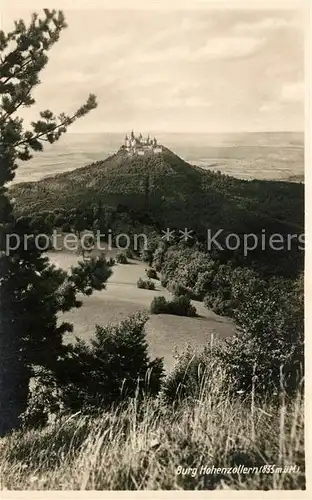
152, 245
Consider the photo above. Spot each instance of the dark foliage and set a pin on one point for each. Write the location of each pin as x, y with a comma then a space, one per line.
151, 274
32, 291
190, 376
121, 257
145, 284
179, 306
112, 368
268, 349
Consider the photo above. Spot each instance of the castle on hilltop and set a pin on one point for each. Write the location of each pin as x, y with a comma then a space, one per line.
140, 145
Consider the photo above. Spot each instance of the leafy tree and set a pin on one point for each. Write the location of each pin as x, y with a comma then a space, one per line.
111, 368
268, 348
32, 291
60, 219
79, 224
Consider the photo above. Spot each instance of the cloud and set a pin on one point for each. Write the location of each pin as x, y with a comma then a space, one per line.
97, 46
186, 27
215, 48
266, 24
268, 107
289, 93
177, 53
231, 47
225, 69
68, 77
197, 101
292, 92
170, 102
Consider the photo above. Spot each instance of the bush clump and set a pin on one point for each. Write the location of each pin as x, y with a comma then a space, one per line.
151, 274
267, 350
145, 284
121, 258
179, 306
219, 305
177, 289
193, 375
44, 399
66, 227
129, 253
114, 366
159, 305
163, 281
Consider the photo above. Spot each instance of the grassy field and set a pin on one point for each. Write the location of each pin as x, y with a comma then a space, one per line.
121, 298
143, 445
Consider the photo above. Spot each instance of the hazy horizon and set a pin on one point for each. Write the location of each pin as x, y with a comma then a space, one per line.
269, 155
184, 132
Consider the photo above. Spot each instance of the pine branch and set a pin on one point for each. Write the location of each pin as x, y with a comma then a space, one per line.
17, 105
90, 104
26, 62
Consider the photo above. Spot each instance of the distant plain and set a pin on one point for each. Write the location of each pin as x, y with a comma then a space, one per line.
257, 155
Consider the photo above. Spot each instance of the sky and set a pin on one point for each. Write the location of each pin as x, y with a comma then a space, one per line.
174, 70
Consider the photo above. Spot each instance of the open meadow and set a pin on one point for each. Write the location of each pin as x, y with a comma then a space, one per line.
121, 298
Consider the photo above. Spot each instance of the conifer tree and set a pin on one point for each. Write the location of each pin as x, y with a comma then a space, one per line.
32, 291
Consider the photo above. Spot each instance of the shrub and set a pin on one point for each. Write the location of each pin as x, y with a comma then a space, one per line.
219, 286
192, 269
111, 261
177, 289
121, 258
204, 281
267, 350
164, 281
193, 375
179, 306
151, 273
158, 257
129, 253
66, 227
114, 367
145, 284
219, 305
147, 256
147, 253
44, 399
159, 305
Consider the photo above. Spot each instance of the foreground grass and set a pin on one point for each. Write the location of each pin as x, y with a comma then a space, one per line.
141, 446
